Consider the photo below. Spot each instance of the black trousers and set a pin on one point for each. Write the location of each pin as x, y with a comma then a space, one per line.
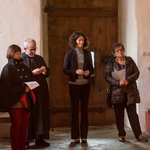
133, 118
79, 92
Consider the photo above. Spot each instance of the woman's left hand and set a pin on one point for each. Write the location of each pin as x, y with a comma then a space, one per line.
27, 89
126, 82
86, 73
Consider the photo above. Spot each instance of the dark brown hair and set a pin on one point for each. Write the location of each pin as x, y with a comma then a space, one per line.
75, 36
116, 45
11, 50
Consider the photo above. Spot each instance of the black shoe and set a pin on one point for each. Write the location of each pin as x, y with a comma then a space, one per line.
77, 140
42, 142
142, 138
27, 145
121, 138
84, 141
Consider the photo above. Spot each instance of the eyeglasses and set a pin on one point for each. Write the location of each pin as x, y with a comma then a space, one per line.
119, 50
32, 49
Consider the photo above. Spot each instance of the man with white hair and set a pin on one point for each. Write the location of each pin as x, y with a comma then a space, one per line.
39, 123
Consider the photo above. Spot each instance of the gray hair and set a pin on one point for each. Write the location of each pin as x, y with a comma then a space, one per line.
27, 41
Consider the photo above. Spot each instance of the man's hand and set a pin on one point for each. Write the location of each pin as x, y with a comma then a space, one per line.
43, 70
36, 71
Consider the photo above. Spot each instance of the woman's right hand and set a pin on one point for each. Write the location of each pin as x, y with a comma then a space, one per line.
121, 83
79, 71
27, 89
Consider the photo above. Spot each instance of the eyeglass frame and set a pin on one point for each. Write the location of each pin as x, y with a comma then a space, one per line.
32, 49
117, 51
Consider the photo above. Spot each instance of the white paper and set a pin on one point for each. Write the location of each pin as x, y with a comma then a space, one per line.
119, 75
32, 84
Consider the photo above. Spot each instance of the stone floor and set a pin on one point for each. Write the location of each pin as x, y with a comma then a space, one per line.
99, 138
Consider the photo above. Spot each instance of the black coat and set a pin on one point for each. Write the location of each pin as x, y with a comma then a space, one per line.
132, 74
13, 76
71, 64
39, 123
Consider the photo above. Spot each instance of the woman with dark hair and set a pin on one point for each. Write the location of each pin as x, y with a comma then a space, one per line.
78, 66
124, 94
15, 94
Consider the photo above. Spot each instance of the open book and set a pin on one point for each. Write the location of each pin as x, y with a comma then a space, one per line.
32, 84
119, 75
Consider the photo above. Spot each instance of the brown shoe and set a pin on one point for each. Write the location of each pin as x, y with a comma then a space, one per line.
121, 138
142, 138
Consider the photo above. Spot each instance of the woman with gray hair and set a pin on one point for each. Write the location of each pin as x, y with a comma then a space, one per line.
124, 94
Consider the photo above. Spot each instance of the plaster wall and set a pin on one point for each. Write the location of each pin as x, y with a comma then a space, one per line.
134, 29
19, 20
128, 31
128, 27
142, 11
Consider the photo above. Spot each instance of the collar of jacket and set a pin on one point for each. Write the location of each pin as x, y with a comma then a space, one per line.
15, 61
127, 59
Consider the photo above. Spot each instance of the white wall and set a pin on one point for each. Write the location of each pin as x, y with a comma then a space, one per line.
134, 33
128, 27
128, 31
19, 20
142, 11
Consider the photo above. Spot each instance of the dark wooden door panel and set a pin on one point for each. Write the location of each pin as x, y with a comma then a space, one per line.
98, 20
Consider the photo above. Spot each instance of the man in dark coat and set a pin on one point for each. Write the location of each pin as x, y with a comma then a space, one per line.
39, 123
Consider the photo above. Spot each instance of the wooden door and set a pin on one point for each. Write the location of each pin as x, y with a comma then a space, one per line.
99, 21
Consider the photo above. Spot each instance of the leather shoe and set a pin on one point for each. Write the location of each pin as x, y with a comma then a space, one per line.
42, 142
27, 145
84, 141
142, 138
77, 140
121, 138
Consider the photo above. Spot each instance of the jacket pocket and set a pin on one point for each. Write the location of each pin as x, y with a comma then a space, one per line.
118, 96
133, 96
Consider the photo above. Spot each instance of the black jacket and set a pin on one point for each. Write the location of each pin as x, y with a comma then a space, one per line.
71, 64
132, 74
13, 76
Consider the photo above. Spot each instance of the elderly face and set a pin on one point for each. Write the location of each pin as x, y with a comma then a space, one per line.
119, 52
31, 49
80, 41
